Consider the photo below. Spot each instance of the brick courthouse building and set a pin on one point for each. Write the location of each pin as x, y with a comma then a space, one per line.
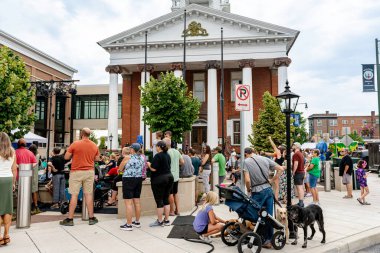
255, 53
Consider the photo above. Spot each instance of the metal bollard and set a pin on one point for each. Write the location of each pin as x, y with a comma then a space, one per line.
84, 209
215, 178
24, 195
328, 165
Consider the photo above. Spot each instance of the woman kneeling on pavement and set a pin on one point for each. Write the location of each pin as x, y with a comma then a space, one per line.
132, 185
161, 183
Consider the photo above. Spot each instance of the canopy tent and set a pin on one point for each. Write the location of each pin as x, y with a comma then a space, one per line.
31, 137
309, 145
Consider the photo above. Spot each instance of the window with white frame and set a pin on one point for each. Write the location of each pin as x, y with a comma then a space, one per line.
236, 132
364, 122
319, 122
331, 133
346, 130
199, 87
333, 122
352, 121
319, 132
337, 132
236, 78
345, 122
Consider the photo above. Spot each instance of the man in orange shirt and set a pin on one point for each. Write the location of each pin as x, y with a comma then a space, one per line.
83, 154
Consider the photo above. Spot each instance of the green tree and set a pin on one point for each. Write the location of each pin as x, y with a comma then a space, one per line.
169, 105
16, 93
356, 137
93, 138
102, 144
271, 122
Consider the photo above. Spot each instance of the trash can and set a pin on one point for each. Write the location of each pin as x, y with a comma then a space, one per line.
25, 175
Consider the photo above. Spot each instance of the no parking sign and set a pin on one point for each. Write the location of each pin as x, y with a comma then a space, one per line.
242, 97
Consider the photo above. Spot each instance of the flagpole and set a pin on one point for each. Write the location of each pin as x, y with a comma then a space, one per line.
184, 47
145, 77
222, 87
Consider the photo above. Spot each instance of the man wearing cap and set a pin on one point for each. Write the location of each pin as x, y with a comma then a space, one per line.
256, 173
345, 171
83, 153
298, 172
221, 160
25, 156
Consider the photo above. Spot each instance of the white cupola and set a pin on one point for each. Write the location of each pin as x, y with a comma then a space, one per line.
222, 5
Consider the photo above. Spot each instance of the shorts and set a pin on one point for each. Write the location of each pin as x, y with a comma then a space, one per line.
81, 178
307, 179
204, 231
298, 178
346, 179
161, 187
132, 187
35, 180
313, 181
174, 189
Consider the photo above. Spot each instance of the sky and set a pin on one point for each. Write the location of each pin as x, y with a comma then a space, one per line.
336, 37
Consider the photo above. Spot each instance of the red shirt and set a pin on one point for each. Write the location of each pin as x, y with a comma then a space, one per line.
84, 153
299, 158
24, 156
113, 172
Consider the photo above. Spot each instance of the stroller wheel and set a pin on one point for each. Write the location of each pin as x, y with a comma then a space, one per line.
231, 233
249, 242
64, 208
278, 240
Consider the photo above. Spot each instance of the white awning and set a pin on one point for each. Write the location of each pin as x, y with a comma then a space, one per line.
30, 137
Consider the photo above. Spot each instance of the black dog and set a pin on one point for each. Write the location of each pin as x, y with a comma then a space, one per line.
306, 216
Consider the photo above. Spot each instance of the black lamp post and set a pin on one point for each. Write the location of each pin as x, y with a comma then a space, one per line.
288, 103
110, 138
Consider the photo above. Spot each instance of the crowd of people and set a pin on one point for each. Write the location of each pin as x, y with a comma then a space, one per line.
263, 172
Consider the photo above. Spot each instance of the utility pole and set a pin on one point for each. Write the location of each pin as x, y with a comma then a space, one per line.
378, 81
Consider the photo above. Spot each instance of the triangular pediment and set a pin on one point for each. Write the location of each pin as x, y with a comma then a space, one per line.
169, 29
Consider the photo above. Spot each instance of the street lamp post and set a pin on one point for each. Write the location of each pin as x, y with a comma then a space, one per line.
288, 103
110, 139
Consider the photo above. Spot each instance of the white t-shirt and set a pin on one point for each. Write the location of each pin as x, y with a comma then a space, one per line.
154, 147
6, 167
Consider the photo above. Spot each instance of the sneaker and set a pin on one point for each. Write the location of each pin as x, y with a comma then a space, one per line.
55, 206
308, 194
92, 221
205, 239
67, 222
136, 224
166, 222
156, 223
126, 227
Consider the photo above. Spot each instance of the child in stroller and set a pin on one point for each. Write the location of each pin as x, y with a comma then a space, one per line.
248, 210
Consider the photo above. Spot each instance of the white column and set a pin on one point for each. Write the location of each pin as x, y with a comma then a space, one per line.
212, 106
247, 116
282, 65
113, 118
147, 132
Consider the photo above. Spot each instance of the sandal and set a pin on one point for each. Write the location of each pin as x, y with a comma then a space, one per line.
6, 240
347, 197
2, 241
366, 203
360, 201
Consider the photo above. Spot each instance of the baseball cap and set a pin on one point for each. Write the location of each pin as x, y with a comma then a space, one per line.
136, 147
297, 144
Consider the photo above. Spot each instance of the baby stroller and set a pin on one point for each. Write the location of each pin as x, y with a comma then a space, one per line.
248, 210
65, 205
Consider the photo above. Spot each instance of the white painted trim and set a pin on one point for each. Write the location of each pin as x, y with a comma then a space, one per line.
37, 55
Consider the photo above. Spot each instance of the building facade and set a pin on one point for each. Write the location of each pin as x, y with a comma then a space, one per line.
337, 126
43, 67
255, 53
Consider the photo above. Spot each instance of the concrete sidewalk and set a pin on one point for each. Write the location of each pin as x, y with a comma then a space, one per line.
349, 227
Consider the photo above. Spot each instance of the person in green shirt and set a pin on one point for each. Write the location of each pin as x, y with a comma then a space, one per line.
314, 171
221, 160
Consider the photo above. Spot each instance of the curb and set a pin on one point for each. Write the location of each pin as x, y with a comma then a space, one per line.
351, 244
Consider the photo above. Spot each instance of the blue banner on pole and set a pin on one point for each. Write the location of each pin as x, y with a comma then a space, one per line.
297, 119
368, 75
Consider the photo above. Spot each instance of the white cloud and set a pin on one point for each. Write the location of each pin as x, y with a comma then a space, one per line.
336, 38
